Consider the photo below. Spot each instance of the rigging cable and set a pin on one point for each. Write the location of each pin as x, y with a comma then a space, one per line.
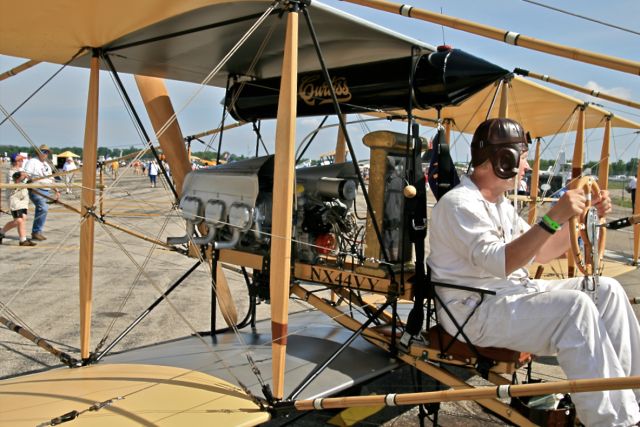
81, 50
586, 18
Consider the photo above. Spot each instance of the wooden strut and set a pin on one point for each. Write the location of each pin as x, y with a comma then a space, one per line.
509, 37
88, 197
214, 131
502, 391
40, 342
16, 70
283, 186
533, 190
576, 172
427, 367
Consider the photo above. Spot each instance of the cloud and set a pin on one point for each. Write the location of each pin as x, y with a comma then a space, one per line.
620, 92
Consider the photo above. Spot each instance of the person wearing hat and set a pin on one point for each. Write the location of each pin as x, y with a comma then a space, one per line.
39, 170
18, 201
69, 166
478, 240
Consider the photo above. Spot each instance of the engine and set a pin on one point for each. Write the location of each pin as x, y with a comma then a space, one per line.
232, 204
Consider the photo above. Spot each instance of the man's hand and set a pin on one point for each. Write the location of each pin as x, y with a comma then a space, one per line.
603, 203
570, 204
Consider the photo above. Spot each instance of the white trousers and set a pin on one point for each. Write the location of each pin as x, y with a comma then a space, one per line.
599, 340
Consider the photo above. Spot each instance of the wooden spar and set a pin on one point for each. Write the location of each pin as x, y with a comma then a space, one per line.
215, 131
452, 395
16, 70
39, 341
156, 101
158, 104
578, 88
576, 173
603, 172
509, 37
533, 190
341, 147
504, 100
88, 198
283, 181
35, 186
110, 224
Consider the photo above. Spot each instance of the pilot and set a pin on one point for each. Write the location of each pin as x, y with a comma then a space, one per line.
478, 240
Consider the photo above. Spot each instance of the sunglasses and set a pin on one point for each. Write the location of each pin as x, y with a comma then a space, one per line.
45, 151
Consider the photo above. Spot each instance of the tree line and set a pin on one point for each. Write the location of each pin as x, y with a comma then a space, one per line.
115, 152
615, 168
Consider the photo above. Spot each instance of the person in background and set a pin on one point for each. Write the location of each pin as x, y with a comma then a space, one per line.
631, 187
69, 165
19, 203
39, 170
153, 173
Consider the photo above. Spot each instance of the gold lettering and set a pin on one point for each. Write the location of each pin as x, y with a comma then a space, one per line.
314, 91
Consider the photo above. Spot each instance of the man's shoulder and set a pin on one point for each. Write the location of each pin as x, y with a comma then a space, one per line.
459, 194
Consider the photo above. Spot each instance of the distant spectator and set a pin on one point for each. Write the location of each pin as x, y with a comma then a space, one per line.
38, 169
153, 173
114, 169
631, 188
523, 188
69, 165
19, 203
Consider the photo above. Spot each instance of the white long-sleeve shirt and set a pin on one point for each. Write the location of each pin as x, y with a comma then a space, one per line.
468, 238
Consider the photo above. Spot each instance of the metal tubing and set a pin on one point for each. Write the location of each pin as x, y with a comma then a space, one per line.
318, 370
146, 312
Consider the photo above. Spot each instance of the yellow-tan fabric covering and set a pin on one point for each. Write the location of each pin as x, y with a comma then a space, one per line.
152, 395
541, 110
39, 30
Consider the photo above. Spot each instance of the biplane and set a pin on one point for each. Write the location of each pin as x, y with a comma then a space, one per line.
290, 232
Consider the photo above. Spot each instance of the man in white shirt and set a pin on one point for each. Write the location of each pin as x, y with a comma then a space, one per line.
38, 167
69, 165
478, 240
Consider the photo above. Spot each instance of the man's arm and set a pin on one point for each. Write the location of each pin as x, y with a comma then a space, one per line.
541, 244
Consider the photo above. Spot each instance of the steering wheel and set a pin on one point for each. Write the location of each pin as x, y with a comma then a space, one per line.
586, 226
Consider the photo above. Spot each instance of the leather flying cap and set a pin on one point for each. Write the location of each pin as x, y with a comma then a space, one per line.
496, 132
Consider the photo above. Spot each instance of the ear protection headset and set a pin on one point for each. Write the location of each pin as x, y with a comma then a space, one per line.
501, 141
505, 160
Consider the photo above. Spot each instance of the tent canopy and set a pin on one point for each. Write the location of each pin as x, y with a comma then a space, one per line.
68, 154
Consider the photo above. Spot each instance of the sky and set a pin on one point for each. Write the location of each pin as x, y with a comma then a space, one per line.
55, 116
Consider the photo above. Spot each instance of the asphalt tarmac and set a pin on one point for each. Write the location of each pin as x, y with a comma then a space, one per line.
39, 289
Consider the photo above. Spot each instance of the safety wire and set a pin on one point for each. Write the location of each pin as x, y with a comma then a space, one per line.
236, 94
26, 136
62, 67
218, 67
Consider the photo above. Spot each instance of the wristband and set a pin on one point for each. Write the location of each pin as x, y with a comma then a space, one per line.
546, 227
551, 223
